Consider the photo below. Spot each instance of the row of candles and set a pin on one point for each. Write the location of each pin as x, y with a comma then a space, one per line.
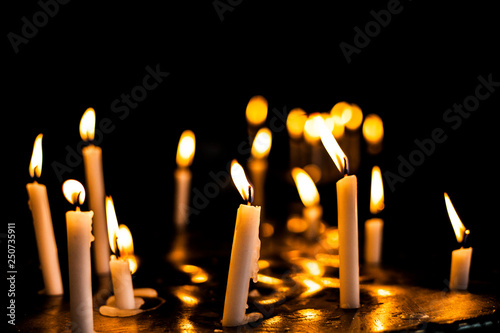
101, 220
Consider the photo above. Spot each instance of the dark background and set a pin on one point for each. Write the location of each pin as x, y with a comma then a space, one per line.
89, 54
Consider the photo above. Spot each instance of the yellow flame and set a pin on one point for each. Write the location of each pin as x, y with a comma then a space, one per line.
355, 117
198, 274
36, 157
305, 186
377, 191
186, 148
87, 125
295, 123
125, 241
256, 112
332, 147
262, 143
240, 181
457, 224
74, 191
112, 222
311, 127
132, 263
373, 129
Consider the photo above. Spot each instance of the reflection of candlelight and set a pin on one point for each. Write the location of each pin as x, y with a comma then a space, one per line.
309, 196
374, 226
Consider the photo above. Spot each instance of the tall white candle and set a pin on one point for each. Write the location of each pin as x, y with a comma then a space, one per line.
245, 254
374, 227
92, 159
79, 229
42, 222
182, 176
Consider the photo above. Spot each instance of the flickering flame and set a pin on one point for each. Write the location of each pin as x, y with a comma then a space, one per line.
36, 157
457, 224
262, 143
305, 186
74, 191
373, 129
87, 125
355, 117
186, 148
377, 191
125, 241
256, 112
112, 223
241, 182
332, 147
295, 123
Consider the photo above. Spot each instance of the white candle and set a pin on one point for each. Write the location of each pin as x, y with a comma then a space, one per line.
374, 227
245, 254
42, 222
182, 176
257, 164
79, 227
461, 258
92, 159
347, 208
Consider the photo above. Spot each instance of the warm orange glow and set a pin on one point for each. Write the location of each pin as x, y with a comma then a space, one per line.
240, 181
296, 224
457, 224
132, 263
198, 274
383, 292
256, 112
310, 266
186, 148
354, 118
112, 223
74, 191
263, 264
87, 125
311, 127
36, 157
326, 259
266, 229
312, 286
305, 186
332, 147
265, 279
262, 143
186, 297
373, 129
377, 191
295, 123
125, 241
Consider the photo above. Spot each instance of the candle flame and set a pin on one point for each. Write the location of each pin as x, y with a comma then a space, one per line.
36, 157
186, 148
198, 274
305, 185
295, 123
240, 181
332, 147
355, 117
377, 191
74, 191
457, 224
87, 125
262, 143
126, 247
312, 126
373, 129
256, 111
112, 222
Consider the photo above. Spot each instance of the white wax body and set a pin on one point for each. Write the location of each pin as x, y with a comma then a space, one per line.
347, 206
313, 216
92, 158
45, 239
122, 283
258, 171
79, 228
182, 178
374, 229
460, 266
243, 265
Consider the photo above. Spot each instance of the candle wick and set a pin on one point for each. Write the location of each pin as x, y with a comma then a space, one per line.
346, 167
466, 234
249, 200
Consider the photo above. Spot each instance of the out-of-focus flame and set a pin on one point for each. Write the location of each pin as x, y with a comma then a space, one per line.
373, 129
377, 191
74, 191
256, 112
311, 127
198, 274
87, 125
295, 123
383, 292
186, 148
355, 118
36, 157
240, 181
112, 222
262, 143
305, 185
332, 147
296, 224
457, 224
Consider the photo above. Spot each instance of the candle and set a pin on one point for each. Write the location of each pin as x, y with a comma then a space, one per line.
461, 258
257, 164
295, 123
245, 254
353, 117
347, 208
79, 228
42, 222
373, 132
92, 160
182, 175
120, 269
309, 196
374, 227
256, 114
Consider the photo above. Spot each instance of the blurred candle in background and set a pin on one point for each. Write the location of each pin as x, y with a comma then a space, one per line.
182, 176
373, 132
256, 114
312, 212
353, 117
317, 155
295, 125
374, 227
257, 164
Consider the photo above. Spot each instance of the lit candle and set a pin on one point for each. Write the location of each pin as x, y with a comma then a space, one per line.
295, 123
92, 160
347, 208
257, 164
374, 227
79, 229
353, 117
461, 258
245, 254
182, 175
312, 212
42, 222
373, 132
121, 274
256, 114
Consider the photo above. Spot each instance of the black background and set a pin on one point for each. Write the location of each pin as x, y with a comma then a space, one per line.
89, 54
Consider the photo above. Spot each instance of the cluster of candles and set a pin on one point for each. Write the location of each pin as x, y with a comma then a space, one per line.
306, 132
